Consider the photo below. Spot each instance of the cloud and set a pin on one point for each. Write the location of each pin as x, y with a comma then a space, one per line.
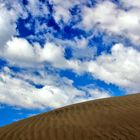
7, 25
131, 3
81, 49
96, 92
19, 52
62, 10
8, 18
109, 17
121, 67
25, 95
19, 49
61, 13
33, 7
18, 92
53, 54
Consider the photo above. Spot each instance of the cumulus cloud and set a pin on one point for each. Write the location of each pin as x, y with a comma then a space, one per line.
20, 52
8, 18
25, 95
121, 67
19, 49
109, 17
53, 54
18, 92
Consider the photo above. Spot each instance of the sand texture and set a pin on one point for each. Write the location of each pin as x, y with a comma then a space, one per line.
116, 118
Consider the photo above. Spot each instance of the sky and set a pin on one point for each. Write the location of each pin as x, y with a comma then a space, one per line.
55, 53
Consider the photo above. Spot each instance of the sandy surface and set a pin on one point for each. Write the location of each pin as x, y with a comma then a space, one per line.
116, 118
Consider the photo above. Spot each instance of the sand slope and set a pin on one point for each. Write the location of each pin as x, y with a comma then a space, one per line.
116, 118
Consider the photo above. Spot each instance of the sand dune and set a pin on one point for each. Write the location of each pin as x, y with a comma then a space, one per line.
116, 118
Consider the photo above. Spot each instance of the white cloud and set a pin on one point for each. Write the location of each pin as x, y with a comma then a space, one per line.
7, 25
8, 19
53, 54
107, 16
97, 93
121, 67
61, 13
62, 9
18, 92
25, 95
19, 49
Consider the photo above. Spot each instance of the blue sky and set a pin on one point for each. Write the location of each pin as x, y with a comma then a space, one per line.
55, 53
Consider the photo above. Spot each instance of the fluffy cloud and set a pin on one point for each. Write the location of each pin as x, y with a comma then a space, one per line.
109, 17
18, 92
23, 94
121, 67
20, 52
19, 49
53, 54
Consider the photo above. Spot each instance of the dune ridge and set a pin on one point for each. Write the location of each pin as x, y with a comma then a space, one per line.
115, 118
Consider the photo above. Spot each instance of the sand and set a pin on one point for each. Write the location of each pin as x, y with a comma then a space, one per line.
116, 118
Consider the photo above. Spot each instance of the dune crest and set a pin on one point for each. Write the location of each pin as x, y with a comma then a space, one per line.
116, 118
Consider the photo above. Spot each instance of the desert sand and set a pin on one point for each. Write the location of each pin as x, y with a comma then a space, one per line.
115, 118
